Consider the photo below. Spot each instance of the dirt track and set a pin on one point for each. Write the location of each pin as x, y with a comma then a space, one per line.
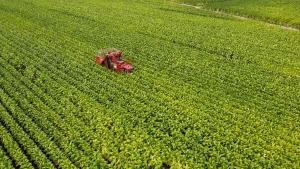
237, 16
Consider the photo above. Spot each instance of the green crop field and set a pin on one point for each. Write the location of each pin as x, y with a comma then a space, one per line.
283, 12
208, 90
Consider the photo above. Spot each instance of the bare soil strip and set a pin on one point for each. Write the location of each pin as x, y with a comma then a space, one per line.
237, 16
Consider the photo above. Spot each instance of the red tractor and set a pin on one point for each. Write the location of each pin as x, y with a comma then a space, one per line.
111, 59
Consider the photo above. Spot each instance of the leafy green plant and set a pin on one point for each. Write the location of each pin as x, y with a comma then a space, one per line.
208, 90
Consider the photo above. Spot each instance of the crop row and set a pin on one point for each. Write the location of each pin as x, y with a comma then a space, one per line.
20, 129
225, 84
220, 86
168, 112
40, 113
9, 150
49, 64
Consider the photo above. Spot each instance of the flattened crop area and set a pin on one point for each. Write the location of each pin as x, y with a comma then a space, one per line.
207, 90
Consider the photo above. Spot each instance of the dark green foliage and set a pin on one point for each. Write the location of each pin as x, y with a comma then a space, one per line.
208, 90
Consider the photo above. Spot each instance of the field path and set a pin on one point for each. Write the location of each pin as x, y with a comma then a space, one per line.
236, 16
